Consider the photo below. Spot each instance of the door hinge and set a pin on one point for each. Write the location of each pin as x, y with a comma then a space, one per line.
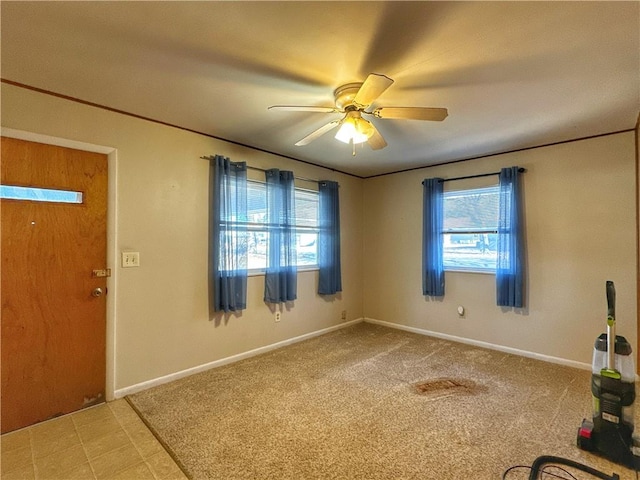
101, 273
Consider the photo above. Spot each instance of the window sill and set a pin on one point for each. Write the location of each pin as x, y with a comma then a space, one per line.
261, 273
470, 270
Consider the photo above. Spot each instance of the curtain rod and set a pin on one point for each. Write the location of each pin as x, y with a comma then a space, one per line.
302, 179
521, 170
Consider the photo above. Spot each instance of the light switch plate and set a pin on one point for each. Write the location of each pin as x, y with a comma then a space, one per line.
130, 259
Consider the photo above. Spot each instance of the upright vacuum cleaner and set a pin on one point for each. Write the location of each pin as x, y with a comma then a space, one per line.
610, 432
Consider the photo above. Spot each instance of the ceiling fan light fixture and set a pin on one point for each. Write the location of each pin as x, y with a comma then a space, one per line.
354, 129
348, 133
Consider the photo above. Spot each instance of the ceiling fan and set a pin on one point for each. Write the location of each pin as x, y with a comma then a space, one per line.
353, 100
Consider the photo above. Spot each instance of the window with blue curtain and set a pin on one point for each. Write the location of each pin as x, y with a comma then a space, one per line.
510, 267
330, 277
432, 237
229, 238
280, 283
306, 226
470, 229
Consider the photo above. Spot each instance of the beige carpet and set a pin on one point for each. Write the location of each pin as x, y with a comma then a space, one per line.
345, 406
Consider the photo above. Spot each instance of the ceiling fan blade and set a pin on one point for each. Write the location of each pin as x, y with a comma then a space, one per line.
303, 108
317, 133
412, 113
376, 142
371, 89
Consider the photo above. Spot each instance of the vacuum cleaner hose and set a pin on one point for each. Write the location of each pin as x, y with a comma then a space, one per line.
539, 462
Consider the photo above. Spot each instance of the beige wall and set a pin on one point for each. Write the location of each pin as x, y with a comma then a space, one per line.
580, 216
162, 324
581, 231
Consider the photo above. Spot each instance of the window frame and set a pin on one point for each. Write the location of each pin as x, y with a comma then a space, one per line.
495, 189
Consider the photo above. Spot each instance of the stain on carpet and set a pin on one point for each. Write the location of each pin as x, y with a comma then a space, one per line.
447, 386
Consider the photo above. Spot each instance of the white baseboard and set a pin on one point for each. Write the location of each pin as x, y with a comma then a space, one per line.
267, 348
478, 343
225, 361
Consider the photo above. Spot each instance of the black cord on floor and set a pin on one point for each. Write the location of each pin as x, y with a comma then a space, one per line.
545, 472
569, 475
514, 467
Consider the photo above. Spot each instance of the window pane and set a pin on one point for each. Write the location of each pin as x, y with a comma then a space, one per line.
470, 224
306, 208
257, 250
256, 202
306, 221
471, 210
257, 218
39, 194
470, 251
232, 241
307, 248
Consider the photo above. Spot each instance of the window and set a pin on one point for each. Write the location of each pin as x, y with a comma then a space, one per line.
470, 229
307, 226
13, 192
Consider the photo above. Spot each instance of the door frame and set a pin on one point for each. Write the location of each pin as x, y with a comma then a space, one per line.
112, 254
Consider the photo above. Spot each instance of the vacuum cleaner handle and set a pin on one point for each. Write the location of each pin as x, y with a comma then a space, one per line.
611, 331
611, 301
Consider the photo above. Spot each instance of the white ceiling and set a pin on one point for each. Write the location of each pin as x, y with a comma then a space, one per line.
512, 74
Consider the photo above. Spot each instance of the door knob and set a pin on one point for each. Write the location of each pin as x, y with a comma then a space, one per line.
97, 292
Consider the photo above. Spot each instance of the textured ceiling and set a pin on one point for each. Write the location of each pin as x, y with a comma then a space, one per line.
512, 74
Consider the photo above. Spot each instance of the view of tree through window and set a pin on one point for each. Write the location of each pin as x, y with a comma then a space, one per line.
470, 229
306, 222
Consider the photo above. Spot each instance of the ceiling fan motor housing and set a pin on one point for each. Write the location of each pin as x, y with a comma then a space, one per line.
345, 94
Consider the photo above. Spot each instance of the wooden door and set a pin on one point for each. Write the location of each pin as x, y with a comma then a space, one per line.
53, 331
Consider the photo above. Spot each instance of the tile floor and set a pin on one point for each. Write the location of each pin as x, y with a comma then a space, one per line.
108, 441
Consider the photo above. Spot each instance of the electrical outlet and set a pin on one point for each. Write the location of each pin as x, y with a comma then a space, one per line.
344, 315
130, 259
277, 316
